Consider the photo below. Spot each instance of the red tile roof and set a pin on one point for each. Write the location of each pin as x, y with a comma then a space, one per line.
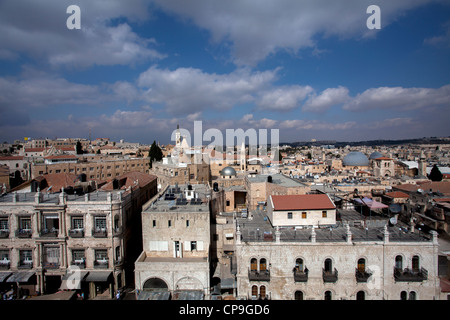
302, 202
397, 194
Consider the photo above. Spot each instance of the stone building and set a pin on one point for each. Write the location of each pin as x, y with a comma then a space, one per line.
44, 236
176, 244
334, 262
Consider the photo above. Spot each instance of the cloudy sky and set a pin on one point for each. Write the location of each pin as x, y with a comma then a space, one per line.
312, 69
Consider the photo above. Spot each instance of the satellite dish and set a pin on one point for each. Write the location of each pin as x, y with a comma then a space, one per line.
395, 208
393, 221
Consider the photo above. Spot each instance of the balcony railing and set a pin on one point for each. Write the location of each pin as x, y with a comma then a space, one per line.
300, 276
410, 275
4, 233
76, 233
25, 264
362, 276
49, 233
330, 276
80, 263
262, 275
5, 264
99, 233
24, 233
101, 264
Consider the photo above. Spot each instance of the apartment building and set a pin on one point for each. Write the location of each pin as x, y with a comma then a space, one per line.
298, 261
175, 260
44, 235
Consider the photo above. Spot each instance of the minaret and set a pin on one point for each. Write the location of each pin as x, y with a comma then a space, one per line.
243, 158
178, 137
422, 165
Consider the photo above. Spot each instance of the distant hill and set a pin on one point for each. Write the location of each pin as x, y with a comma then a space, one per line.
424, 140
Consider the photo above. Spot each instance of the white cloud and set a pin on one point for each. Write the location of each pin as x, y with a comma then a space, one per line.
190, 90
328, 98
283, 98
38, 29
256, 29
399, 98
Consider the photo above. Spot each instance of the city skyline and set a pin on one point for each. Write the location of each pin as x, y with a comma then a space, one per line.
311, 69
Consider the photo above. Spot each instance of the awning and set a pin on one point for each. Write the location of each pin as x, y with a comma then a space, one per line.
98, 276
23, 276
372, 204
4, 275
72, 280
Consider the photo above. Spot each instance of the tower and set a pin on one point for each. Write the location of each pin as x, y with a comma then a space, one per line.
243, 158
178, 137
422, 165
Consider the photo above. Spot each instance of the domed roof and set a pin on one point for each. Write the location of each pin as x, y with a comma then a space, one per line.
375, 155
355, 158
228, 171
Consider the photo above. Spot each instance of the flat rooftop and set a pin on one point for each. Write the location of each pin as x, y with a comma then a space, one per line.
177, 199
277, 178
53, 198
259, 229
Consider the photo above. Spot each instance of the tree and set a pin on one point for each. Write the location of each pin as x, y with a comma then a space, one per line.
79, 148
155, 153
435, 174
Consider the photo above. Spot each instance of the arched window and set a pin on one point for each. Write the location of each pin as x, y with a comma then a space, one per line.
327, 295
254, 291
398, 262
155, 284
412, 295
299, 264
362, 265
361, 295
298, 295
262, 264
328, 265
403, 295
415, 264
262, 292
253, 264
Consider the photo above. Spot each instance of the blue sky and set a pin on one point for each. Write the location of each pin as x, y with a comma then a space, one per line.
311, 69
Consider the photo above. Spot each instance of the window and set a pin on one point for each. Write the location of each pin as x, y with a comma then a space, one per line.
154, 223
299, 265
169, 223
328, 265
289, 215
262, 264
4, 224
362, 265
77, 223
304, 215
403, 295
187, 223
324, 214
25, 223
398, 262
254, 291
100, 223
262, 292
298, 295
412, 295
361, 295
193, 245
78, 256
228, 203
327, 295
415, 264
253, 264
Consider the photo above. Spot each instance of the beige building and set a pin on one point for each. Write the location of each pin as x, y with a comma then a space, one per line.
44, 236
175, 260
339, 263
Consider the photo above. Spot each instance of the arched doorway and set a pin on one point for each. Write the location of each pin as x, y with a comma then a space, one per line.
155, 284
298, 295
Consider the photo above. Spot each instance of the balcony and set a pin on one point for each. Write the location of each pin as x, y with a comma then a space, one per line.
300, 276
25, 264
5, 264
76, 233
49, 233
330, 276
409, 275
99, 233
4, 233
24, 233
362, 276
80, 263
263, 275
101, 264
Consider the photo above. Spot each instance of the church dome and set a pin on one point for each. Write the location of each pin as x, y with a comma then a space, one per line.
228, 172
375, 155
355, 158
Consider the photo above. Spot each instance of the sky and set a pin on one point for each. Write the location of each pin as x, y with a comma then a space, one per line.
310, 69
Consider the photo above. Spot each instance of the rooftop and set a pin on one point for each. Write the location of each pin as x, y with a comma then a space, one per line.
302, 202
259, 229
53, 198
279, 179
